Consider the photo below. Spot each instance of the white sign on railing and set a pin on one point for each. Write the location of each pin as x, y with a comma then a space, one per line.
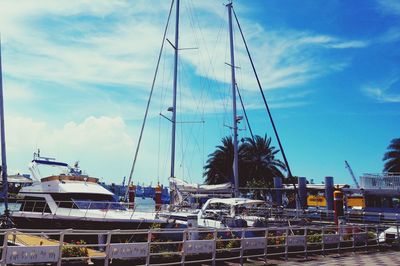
331, 239
360, 237
128, 250
38, 254
254, 243
295, 241
199, 246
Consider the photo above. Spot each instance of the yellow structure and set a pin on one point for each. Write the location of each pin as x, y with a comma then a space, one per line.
320, 201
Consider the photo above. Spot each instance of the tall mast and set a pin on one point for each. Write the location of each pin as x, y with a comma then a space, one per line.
235, 128
173, 120
3, 143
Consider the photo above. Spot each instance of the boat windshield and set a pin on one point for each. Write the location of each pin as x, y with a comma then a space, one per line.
87, 201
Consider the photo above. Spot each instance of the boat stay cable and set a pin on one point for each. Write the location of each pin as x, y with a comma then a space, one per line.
244, 112
149, 100
266, 105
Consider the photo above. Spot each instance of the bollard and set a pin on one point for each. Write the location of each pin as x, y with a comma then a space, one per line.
277, 196
329, 195
131, 193
301, 200
338, 205
157, 197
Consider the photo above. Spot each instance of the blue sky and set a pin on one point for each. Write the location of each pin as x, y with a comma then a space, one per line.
77, 76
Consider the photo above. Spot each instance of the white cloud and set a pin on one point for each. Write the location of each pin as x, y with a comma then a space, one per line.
389, 6
384, 93
96, 142
124, 51
381, 95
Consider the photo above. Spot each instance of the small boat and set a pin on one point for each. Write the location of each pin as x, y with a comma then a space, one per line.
74, 200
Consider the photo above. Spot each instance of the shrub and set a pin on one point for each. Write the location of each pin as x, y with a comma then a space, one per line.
75, 251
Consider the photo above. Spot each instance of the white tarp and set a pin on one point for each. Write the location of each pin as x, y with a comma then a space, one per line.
178, 186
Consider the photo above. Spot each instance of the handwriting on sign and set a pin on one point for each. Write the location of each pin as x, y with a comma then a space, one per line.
129, 250
254, 243
32, 254
199, 246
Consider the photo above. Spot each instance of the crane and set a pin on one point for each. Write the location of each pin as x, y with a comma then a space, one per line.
352, 174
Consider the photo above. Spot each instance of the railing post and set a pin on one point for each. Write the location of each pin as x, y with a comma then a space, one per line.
107, 249
61, 242
354, 238
5, 247
241, 246
398, 237
214, 255
266, 246
183, 256
149, 246
323, 241
306, 245
286, 243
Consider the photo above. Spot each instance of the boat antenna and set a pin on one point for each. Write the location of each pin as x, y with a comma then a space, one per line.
233, 84
6, 223
267, 107
175, 83
148, 102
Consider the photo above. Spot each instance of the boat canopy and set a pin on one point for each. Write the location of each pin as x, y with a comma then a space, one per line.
51, 163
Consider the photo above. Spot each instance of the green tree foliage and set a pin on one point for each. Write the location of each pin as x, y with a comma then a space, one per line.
392, 157
257, 162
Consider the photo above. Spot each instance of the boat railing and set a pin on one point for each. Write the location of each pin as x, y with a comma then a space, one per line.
82, 208
190, 245
380, 181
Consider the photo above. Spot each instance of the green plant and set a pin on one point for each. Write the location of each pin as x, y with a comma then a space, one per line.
371, 235
314, 238
75, 251
274, 239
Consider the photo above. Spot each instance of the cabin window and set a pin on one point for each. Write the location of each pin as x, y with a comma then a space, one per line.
35, 204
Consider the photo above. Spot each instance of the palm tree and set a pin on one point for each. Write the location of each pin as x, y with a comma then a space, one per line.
259, 160
392, 157
218, 168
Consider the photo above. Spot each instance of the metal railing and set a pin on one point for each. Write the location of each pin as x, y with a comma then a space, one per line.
380, 181
186, 246
80, 208
68, 208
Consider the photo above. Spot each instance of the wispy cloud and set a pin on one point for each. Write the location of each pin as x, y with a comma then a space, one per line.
385, 93
122, 51
389, 6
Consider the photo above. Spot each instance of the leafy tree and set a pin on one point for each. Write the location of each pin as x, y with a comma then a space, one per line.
218, 168
392, 157
257, 162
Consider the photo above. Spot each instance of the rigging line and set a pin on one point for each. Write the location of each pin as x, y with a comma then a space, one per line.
263, 95
267, 107
244, 112
149, 100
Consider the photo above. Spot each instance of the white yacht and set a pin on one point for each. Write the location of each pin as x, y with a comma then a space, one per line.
74, 200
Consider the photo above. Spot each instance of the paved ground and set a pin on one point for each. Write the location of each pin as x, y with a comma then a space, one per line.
378, 258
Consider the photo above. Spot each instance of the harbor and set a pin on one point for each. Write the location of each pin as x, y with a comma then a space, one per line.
242, 140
